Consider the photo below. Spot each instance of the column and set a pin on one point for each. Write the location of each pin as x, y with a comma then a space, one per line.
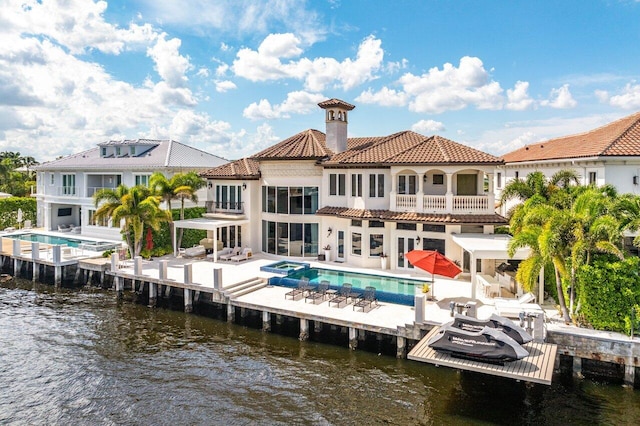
304, 329
401, 347
119, 284
35, 255
231, 312
392, 194
162, 270
188, 300
188, 273
266, 321
353, 338
449, 194
419, 302
153, 294
217, 278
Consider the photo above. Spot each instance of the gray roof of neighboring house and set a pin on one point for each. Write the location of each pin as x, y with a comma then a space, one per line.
161, 154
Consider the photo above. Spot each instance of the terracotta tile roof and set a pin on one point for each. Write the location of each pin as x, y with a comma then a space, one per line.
619, 138
245, 168
309, 144
408, 147
389, 216
333, 102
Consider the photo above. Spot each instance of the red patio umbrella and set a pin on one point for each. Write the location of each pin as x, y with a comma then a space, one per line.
434, 263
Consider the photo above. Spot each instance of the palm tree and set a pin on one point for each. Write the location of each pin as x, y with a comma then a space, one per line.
537, 184
136, 207
181, 186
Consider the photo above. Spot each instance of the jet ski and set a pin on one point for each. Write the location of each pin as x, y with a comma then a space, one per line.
503, 324
486, 345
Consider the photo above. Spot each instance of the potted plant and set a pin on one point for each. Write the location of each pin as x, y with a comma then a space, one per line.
383, 261
327, 252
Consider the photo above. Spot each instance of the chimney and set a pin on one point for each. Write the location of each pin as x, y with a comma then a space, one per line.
336, 122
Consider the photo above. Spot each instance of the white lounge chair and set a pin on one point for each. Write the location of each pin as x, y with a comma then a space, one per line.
235, 252
225, 251
196, 251
511, 308
246, 254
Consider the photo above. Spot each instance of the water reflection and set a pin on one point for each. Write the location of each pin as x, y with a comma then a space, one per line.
81, 357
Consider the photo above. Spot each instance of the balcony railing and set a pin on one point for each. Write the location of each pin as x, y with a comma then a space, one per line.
93, 189
474, 204
64, 191
225, 207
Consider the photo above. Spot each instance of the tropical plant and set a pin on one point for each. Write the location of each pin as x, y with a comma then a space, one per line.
181, 186
136, 208
537, 184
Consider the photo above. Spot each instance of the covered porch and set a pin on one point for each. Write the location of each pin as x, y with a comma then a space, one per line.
212, 226
491, 246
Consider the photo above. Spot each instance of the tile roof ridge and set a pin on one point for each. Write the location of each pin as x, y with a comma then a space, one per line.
439, 143
624, 132
168, 156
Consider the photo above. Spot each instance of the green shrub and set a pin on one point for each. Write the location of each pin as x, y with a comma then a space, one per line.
608, 290
9, 211
162, 243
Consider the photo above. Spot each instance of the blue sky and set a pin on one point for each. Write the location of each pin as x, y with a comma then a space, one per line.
232, 77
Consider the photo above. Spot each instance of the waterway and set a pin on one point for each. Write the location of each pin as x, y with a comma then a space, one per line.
79, 357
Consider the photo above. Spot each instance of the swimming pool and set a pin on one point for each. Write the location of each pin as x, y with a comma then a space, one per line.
284, 267
70, 242
388, 288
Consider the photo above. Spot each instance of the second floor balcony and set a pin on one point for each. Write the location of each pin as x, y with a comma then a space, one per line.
455, 204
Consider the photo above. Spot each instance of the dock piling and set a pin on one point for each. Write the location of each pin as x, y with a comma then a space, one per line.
353, 338
266, 321
304, 329
153, 294
188, 300
231, 312
401, 347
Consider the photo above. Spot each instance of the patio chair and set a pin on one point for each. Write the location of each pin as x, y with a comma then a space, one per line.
368, 301
223, 252
246, 254
511, 308
236, 251
196, 251
319, 294
344, 297
299, 292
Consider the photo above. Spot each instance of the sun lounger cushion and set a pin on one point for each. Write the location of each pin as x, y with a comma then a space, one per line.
195, 251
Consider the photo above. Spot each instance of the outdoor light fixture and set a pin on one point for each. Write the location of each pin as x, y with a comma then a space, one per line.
244, 186
424, 178
329, 231
418, 239
635, 180
209, 185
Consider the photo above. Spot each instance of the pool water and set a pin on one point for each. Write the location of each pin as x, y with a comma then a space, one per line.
55, 240
388, 288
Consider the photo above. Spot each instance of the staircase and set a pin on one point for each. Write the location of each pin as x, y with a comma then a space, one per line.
245, 287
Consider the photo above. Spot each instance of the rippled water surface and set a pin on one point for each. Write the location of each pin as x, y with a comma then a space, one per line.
80, 357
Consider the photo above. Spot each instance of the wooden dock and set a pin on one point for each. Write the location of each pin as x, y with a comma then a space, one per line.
536, 368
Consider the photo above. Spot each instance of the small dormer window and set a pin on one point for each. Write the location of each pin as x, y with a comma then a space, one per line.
118, 153
132, 150
104, 151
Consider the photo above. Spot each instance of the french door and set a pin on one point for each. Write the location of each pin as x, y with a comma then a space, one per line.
405, 245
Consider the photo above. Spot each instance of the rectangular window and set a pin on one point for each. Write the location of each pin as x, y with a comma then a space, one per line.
471, 229
52, 181
356, 185
376, 185
295, 200
593, 177
118, 151
132, 150
407, 184
310, 199
376, 224
69, 184
333, 184
406, 226
296, 240
434, 245
356, 243
283, 200
355, 222
342, 184
104, 151
517, 174
438, 179
283, 239
142, 180
271, 199
498, 180
375, 244
64, 211
433, 228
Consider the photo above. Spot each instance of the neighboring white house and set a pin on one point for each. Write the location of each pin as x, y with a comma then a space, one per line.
607, 155
65, 187
362, 197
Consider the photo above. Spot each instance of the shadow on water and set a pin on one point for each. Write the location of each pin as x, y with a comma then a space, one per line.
110, 362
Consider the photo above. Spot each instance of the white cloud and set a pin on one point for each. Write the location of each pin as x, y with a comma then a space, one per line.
296, 102
203, 72
446, 89
560, 98
384, 97
427, 126
517, 98
602, 95
265, 64
628, 99
224, 47
171, 66
224, 86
